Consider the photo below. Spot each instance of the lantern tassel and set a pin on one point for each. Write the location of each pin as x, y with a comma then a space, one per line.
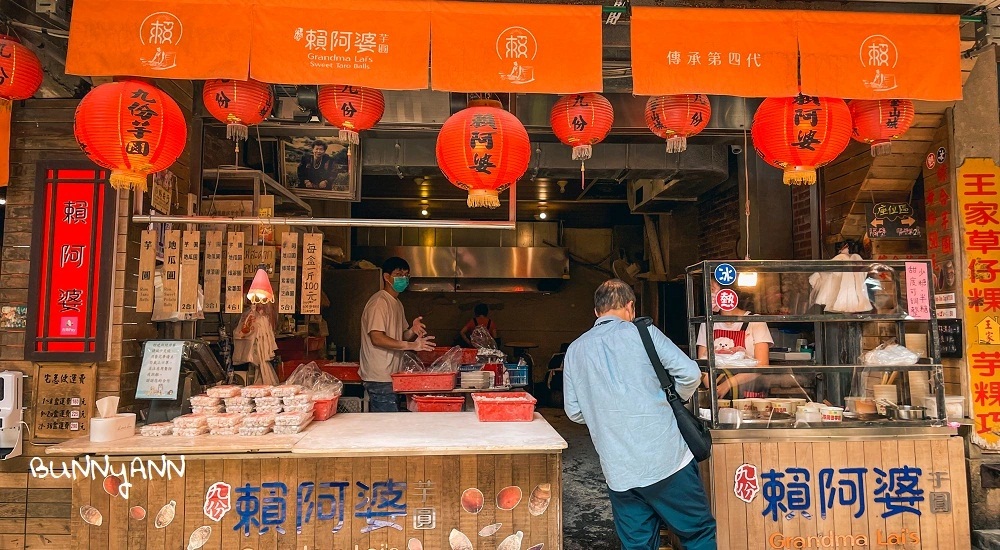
583, 152
483, 198
123, 180
237, 132
350, 136
799, 176
583, 175
677, 144
881, 148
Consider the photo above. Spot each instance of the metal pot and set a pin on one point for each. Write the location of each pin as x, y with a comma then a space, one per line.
907, 412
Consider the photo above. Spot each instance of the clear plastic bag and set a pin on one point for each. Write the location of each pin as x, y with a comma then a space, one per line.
411, 363
482, 339
890, 353
449, 362
311, 378
737, 359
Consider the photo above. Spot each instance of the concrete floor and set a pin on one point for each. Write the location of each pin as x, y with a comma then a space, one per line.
587, 523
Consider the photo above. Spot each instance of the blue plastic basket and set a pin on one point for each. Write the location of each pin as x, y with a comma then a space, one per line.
518, 375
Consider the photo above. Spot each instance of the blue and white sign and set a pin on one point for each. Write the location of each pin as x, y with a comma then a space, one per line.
725, 274
161, 369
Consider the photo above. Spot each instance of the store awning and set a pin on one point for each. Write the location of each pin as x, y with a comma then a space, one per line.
753, 53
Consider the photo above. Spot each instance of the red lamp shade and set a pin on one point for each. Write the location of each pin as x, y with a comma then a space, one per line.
800, 134
132, 128
876, 121
20, 70
483, 149
260, 289
581, 120
677, 117
353, 109
238, 103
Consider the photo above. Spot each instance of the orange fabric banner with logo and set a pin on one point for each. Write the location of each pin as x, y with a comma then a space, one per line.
527, 48
377, 43
179, 39
880, 55
750, 53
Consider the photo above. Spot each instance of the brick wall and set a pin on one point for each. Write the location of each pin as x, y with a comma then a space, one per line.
801, 223
719, 223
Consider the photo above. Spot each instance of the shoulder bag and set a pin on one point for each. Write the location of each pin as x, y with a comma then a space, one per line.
694, 431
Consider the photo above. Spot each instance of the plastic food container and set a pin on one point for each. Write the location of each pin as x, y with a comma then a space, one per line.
271, 409
306, 407
291, 418
256, 391
298, 399
267, 401
324, 396
325, 408
289, 430
191, 421
223, 391
438, 403
418, 381
157, 430
287, 390
205, 401
232, 430
254, 430
240, 409
190, 432
239, 402
225, 420
259, 419
832, 414
954, 406
504, 406
216, 409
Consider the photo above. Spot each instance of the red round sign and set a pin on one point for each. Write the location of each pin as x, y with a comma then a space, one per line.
931, 161
727, 299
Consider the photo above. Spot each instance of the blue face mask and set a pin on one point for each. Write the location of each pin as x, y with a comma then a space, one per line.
399, 284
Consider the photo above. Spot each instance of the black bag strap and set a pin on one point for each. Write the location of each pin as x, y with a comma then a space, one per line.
666, 380
743, 327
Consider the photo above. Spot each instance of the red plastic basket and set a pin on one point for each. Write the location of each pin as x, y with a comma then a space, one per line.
418, 381
325, 408
428, 357
438, 403
515, 406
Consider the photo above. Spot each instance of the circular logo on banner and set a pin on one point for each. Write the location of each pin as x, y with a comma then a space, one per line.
727, 300
942, 155
725, 274
931, 161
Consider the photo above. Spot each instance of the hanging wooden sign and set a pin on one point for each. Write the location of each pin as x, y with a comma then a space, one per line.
289, 269
256, 257
190, 258
312, 259
171, 270
147, 268
213, 271
234, 272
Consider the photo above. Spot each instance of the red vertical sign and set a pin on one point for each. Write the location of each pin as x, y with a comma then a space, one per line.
70, 269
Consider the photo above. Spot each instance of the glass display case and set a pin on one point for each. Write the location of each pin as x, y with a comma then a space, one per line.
855, 344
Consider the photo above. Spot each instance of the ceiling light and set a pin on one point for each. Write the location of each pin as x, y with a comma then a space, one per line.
542, 215
747, 279
424, 212
3, 201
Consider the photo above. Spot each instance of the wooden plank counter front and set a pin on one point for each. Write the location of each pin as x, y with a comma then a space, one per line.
880, 488
356, 481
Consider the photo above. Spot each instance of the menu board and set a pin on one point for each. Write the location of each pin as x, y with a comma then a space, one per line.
234, 272
189, 272
147, 267
213, 271
312, 259
161, 369
63, 401
918, 292
289, 269
171, 270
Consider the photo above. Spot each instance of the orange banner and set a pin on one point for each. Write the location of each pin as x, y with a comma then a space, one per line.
179, 39
377, 43
879, 55
5, 106
750, 53
527, 48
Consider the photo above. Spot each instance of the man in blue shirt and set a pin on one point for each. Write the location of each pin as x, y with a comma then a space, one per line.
611, 386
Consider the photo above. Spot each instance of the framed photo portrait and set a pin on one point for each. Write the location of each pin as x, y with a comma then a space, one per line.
320, 167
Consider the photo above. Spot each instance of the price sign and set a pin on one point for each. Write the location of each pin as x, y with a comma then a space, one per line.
171, 270
63, 401
234, 272
147, 269
312, 259
289, 268
213, 271
918, 295
189, 272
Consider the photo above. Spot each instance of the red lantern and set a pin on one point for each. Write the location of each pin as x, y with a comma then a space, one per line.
353, 109
20, 69
876, 121
483, 149
131, 127
677, 117
581, 120
800, 134
238, 103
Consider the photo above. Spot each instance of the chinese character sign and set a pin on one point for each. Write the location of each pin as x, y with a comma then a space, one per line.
287, 277
918, 290
312, 259
63, 401
147, 272
979, 209
213, 271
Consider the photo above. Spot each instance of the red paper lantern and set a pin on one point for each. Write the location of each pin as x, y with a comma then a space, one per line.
876, 121
800, 134
20, 70
353, 109
677, 117
483, 149
131, 127
582, 120
238, 103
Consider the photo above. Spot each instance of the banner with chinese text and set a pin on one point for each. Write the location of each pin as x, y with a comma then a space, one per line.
880, 55
750, 53
377, 43
177, 39
518, 48
979, 208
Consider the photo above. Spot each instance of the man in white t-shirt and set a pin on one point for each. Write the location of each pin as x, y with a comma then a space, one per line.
753, 337
385, 336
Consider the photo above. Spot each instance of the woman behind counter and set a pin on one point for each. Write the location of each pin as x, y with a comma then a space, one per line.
754, 337
481, 318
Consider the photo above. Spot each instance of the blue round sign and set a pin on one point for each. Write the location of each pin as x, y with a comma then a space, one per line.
725, 274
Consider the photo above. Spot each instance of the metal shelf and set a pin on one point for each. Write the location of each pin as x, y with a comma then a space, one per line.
810, 369
233, 181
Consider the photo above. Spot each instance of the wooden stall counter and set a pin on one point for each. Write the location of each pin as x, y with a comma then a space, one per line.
354, 482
